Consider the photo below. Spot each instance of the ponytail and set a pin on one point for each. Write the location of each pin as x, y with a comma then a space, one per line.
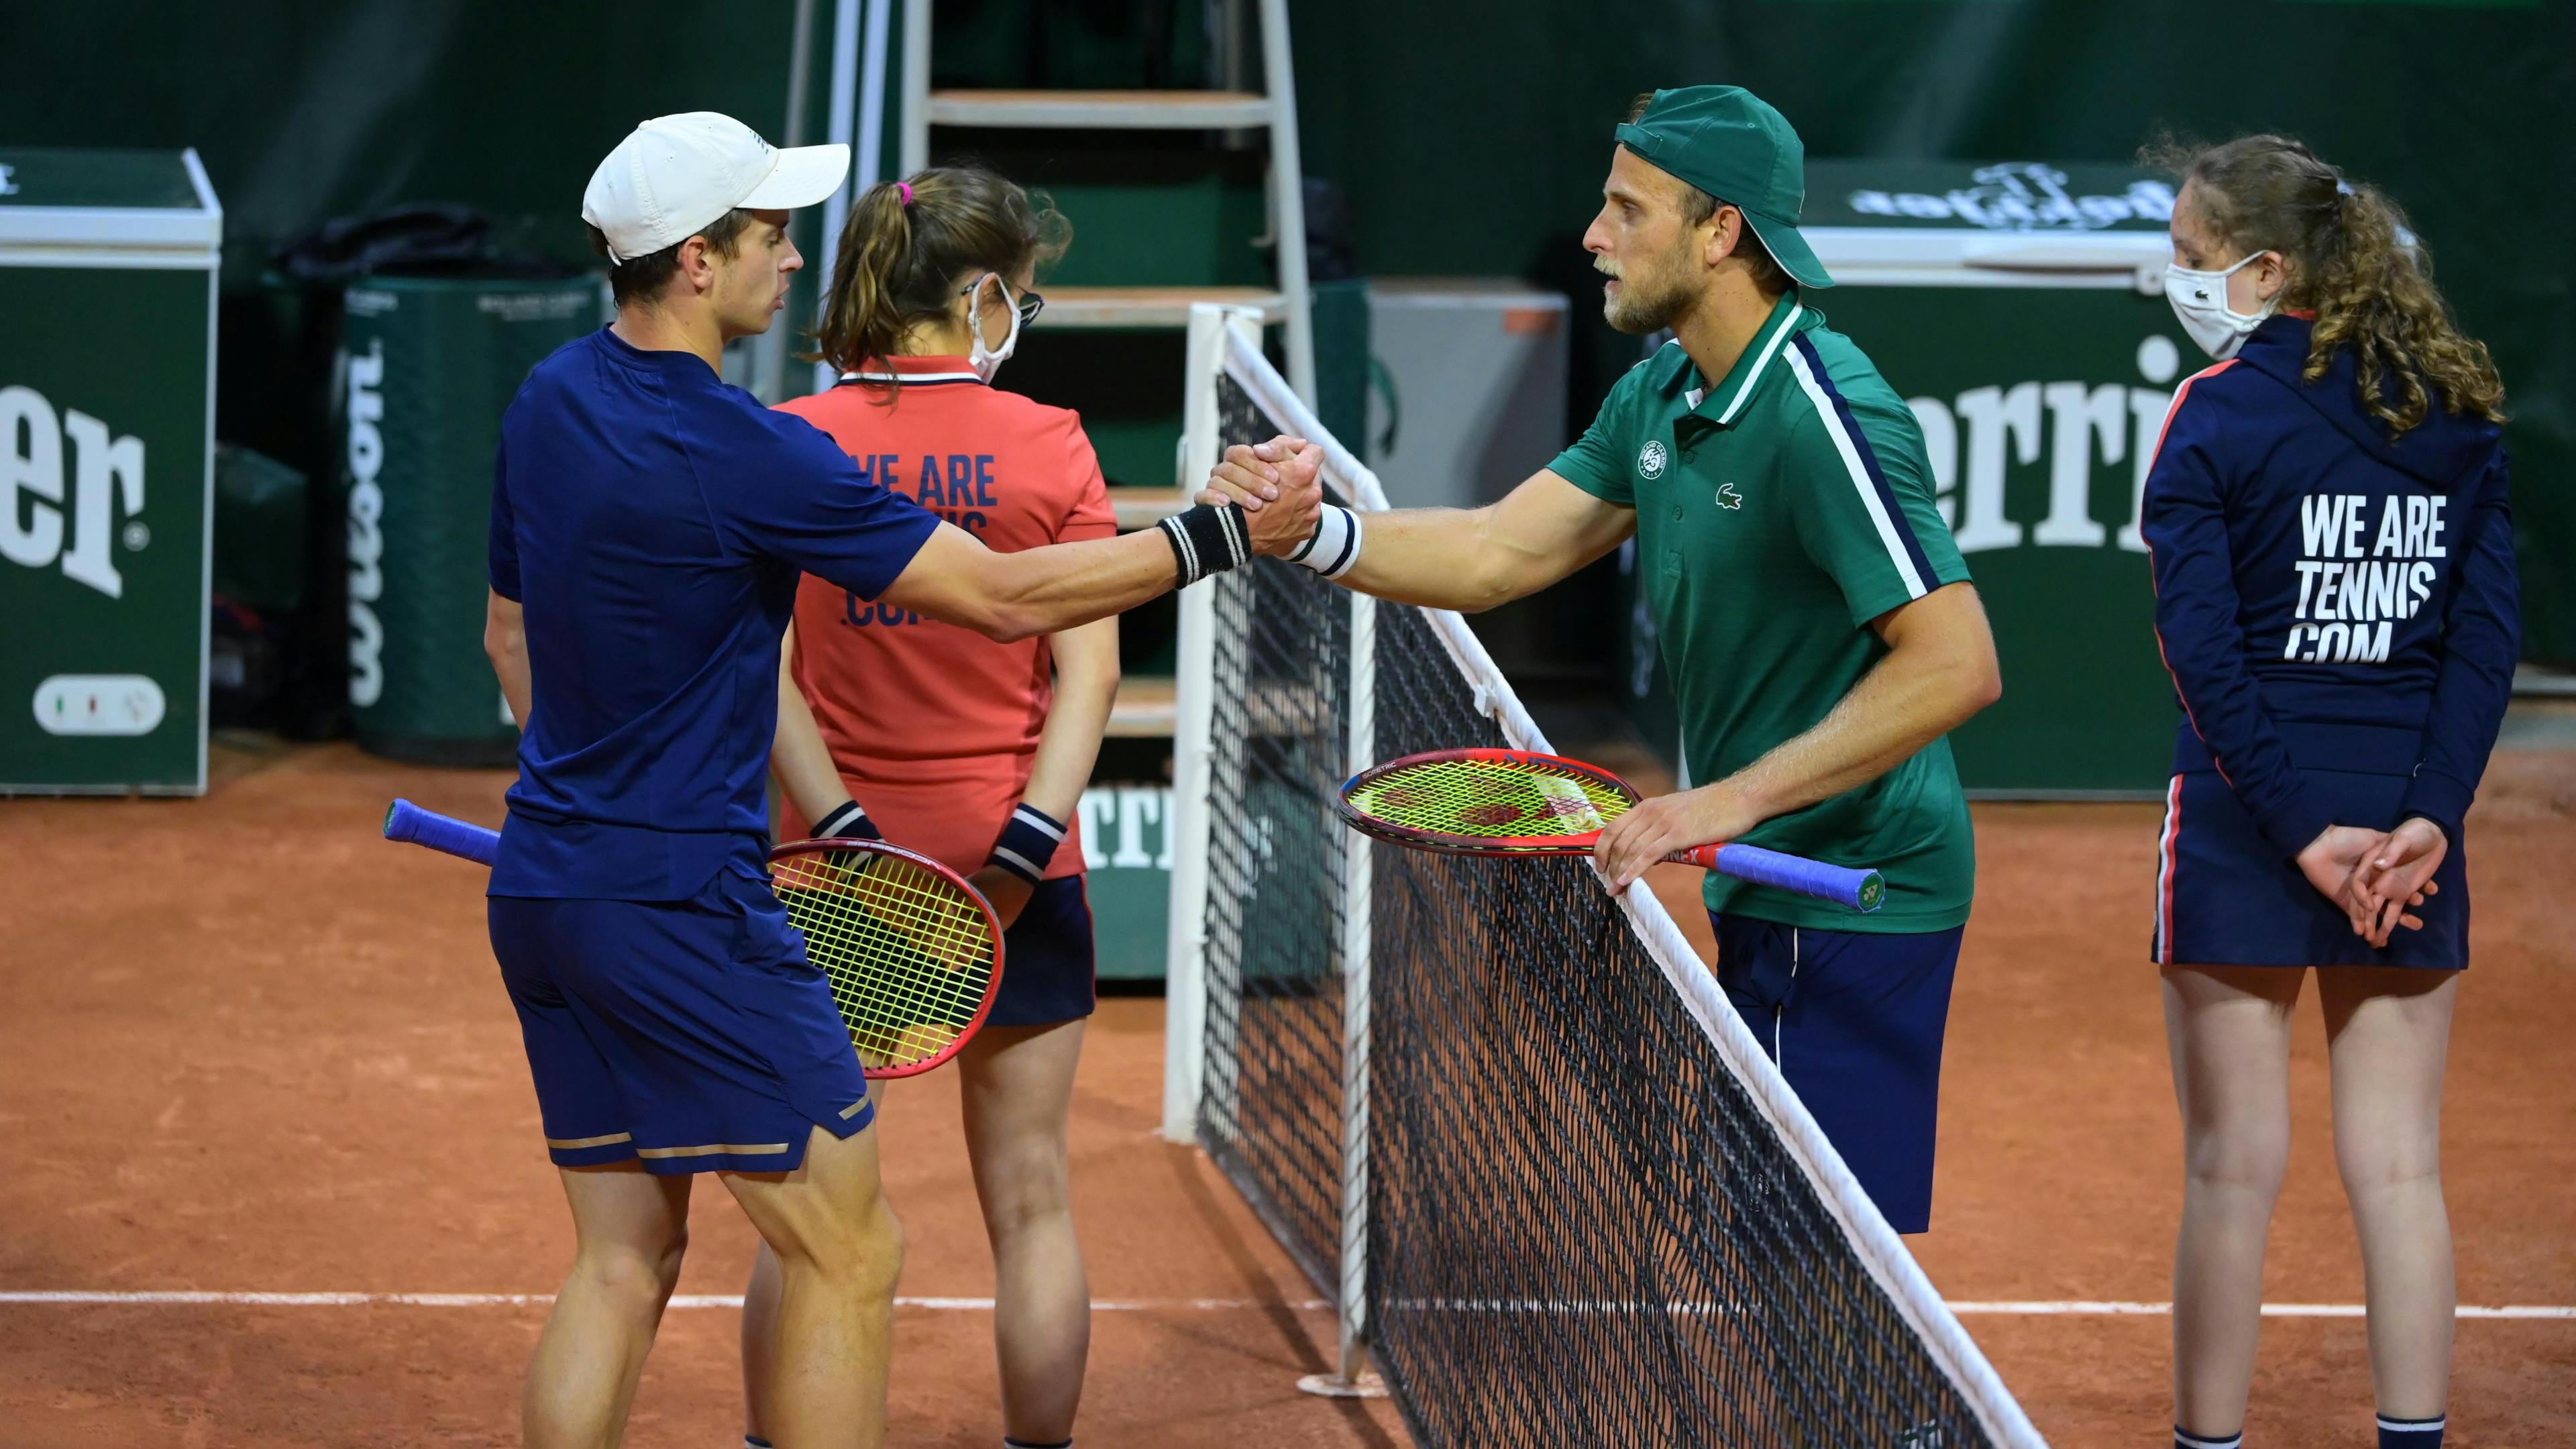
2353, 261
862, 320
910, 245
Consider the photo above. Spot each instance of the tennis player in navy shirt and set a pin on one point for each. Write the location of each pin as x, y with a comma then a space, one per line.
2335, 595
649, 525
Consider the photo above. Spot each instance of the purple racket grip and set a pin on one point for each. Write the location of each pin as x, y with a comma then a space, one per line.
407, 822
1862, 890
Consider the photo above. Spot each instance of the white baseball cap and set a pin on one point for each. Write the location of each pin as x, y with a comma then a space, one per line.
673, 176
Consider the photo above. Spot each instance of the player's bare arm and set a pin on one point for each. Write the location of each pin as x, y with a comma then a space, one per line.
1468, 559
1939, 670
505, 641
1007, 596
798, 756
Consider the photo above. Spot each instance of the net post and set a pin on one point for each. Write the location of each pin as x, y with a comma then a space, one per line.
1194, 700
1351, 1377
1357, 941
1185, 924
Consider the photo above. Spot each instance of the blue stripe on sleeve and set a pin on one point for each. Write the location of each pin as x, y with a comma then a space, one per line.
1869, 460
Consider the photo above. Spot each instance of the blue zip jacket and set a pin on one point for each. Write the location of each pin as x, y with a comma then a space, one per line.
2326, 598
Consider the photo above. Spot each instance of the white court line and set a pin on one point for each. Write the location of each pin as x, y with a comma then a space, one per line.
2002, 1308
2270, 1310
678, 1300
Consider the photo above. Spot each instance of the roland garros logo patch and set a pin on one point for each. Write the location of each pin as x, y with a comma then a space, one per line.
1650, 460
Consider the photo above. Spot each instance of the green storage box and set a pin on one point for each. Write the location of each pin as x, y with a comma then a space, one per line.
107, 355
430, 365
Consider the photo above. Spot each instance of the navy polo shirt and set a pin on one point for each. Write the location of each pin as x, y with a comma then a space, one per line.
652, 523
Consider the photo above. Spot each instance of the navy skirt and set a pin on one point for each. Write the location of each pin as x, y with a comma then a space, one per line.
2225, 897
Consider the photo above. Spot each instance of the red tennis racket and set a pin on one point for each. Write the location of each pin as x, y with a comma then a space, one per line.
1519, 802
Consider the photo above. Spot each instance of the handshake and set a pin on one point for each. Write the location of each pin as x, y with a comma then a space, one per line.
1278, 485
2377, 877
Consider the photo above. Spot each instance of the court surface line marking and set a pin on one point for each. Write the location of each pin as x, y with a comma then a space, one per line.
678, 1300
1991, 1308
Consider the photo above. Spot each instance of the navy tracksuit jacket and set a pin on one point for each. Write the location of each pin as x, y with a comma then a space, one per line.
2327, 599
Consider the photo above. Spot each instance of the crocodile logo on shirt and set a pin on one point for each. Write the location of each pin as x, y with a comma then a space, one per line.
1728, 498
1650, 460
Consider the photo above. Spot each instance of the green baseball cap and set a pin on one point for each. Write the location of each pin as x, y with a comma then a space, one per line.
1727, 142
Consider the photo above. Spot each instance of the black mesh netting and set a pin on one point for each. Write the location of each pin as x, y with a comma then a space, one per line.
1583, 1231
1271, 1100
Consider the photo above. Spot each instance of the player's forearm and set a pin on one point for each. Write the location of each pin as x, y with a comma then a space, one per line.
1046, 590
1472, 559
1066, 585
1441, 558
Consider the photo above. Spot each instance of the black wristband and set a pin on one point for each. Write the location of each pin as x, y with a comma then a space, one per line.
1029, 839
1207, 539
845, 821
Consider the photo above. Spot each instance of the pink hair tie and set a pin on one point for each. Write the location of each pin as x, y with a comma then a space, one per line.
904, 190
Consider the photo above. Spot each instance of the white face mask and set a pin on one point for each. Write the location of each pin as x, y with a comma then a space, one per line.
2200, 300
988, 360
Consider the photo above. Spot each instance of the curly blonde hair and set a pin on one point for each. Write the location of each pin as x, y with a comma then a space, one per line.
2351, 260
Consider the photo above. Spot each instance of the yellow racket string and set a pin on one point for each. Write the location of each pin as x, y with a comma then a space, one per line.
1491, 799
908, 954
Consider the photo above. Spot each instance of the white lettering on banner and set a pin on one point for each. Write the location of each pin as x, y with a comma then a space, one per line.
1136, 806
2023, 196
107, 471
1096, 809
366, 532
105, 464
2351, 594
8, 183
1114, 820
31, 463
2071, 406
2082, 425
1992, 414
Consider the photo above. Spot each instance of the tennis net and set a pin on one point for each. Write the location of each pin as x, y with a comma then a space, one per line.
1508, 1124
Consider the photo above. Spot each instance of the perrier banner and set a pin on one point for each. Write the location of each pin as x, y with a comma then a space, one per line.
107, 292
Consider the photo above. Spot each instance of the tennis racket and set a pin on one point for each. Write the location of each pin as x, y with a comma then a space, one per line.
1517, 802
913, 953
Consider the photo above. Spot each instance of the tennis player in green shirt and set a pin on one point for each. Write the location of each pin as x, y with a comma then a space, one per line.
1817, 622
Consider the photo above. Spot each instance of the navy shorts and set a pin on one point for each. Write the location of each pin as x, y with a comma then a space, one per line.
2226, 897
1855, 1022
691, 1034
1047, 962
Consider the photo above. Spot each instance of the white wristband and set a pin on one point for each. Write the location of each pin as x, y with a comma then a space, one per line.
1335, 545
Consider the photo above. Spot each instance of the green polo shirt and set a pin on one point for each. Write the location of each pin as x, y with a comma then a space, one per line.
1777, 514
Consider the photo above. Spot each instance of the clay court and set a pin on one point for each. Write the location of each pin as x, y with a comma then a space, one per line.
256, 1058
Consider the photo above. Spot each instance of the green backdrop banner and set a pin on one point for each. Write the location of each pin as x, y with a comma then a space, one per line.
1491, 159
1466, 148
